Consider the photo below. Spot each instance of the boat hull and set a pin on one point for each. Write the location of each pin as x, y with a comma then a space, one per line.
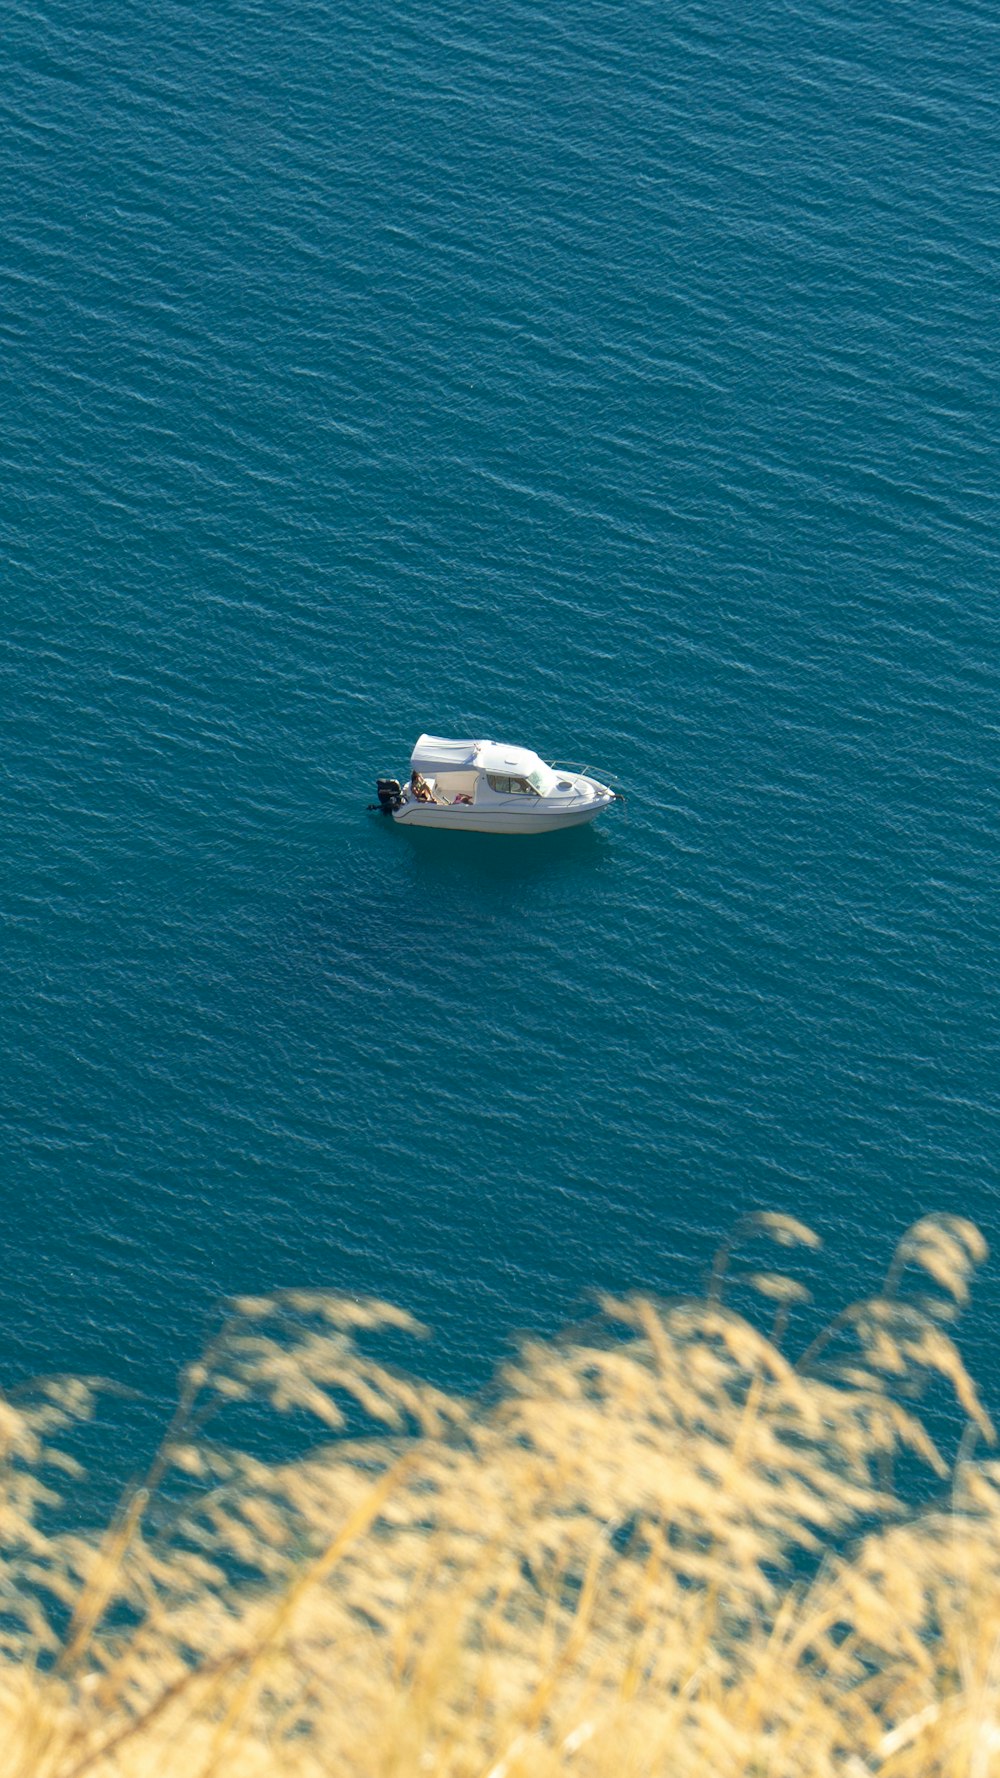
472, 820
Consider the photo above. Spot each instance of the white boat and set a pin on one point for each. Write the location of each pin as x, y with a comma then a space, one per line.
488, 787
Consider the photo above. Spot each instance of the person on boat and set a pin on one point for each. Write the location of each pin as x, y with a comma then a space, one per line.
421, 789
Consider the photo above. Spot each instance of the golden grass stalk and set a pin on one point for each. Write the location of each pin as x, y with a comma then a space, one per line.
663, 1545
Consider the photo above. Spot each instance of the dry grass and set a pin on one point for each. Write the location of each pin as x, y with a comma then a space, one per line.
663, 1545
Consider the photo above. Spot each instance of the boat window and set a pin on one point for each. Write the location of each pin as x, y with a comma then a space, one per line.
542, 779
509, 786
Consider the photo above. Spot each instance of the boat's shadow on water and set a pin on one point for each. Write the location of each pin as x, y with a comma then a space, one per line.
410, 893
497, 858
439, 881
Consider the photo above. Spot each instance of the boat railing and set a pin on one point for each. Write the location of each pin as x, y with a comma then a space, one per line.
567, 765
572, 765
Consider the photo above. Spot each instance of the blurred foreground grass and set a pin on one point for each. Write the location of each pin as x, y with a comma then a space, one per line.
669, 1543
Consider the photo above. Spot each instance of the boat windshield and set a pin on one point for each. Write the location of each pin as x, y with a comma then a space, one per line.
542, 779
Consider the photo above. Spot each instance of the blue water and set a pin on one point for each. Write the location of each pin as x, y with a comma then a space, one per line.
616, 378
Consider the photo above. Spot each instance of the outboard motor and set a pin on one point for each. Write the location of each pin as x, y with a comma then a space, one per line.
389, 796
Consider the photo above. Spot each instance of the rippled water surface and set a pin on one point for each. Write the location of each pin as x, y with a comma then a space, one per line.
616, 378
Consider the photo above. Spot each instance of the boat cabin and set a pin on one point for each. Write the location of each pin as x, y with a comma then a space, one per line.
478, 772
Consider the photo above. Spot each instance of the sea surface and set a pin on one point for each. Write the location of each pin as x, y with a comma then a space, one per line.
616, 378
